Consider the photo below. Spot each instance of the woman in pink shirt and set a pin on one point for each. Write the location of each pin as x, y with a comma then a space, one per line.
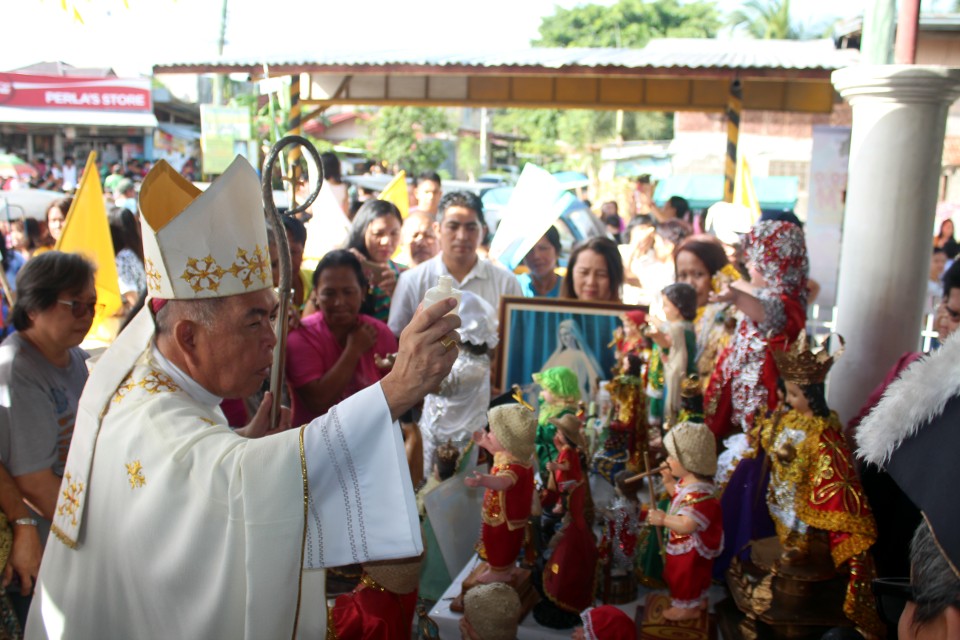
333, 353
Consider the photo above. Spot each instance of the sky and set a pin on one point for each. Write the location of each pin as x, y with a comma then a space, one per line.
131, 36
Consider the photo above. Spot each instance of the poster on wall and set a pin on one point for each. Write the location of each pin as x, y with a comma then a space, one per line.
224, 134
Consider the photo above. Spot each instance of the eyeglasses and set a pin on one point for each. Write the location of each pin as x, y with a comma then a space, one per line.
80, 309
892, 595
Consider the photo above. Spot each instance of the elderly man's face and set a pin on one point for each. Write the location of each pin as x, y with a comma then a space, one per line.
235, 354
420, 234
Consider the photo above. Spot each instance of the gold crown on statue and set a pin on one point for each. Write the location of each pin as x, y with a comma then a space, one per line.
448, 453
690, 387
801, 365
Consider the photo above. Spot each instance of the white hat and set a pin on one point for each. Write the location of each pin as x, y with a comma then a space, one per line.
694, 445
728, 221
209, 244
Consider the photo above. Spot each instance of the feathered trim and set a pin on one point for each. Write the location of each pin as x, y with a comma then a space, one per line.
912, 400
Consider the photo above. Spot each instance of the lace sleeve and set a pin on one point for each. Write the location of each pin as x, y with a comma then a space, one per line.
775, 320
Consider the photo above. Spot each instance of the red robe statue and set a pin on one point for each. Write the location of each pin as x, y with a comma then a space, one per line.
371, 612
505, 513
570, 572
689, 565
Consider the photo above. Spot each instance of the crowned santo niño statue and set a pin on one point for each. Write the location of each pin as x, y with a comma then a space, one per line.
509, 486
823, 520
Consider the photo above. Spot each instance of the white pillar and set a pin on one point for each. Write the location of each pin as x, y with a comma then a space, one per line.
899, 121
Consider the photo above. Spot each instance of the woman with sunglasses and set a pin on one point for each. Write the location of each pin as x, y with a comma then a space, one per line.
42, 373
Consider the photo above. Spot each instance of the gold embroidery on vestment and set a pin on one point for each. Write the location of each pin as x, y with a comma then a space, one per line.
248, 267
153, 276
135, 471
202, 274
70, 500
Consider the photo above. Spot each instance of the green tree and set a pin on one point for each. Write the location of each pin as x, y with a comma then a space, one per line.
766, 20
399, 135
468, 156
628, 23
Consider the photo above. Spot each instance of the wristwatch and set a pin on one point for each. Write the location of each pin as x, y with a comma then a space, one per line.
30, 522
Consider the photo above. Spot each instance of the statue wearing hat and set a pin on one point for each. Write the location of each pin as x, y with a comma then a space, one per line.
559, 395
208, 533
381, 607
508, 498
569, 572
694, 521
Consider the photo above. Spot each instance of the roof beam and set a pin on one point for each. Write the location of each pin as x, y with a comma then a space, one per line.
677, 93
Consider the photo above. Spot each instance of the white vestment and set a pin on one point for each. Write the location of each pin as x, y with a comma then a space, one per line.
178, 527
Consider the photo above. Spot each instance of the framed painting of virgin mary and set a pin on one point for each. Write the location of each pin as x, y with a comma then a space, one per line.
539, 333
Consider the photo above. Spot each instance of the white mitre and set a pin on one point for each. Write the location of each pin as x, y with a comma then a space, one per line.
208, 244
197, 244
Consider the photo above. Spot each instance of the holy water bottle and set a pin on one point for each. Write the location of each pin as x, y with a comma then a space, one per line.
442, 291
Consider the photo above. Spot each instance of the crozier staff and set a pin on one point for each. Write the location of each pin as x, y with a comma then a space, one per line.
232, 532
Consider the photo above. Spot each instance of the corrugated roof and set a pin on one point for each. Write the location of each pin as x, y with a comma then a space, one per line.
665, 53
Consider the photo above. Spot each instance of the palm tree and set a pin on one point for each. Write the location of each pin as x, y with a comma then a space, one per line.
768, 20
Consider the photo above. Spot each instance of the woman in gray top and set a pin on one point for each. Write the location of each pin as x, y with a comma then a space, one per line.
43, 370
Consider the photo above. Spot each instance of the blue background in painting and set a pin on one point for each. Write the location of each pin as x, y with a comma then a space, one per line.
533, 338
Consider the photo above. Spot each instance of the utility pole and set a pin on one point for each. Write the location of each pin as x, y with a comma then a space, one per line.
221, 41
908, 23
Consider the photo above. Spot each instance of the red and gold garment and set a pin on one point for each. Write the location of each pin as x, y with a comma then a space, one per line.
505, 513
569, 575
371, 612
746, 375
689, 566
818, 488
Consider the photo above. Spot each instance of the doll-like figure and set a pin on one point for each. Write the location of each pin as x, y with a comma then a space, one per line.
508, 497
626, 437
773, 313
381, 607
813, 482
696, 528
559, 395
619, 544
569, 571
490, 612
629, 338
675, 348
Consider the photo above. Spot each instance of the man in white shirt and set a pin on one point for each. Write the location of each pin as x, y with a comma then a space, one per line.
69, 174
462, 227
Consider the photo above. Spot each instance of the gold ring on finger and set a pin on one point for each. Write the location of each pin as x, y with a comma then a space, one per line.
447, 342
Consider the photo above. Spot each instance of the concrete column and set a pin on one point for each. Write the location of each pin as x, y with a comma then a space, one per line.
899, 121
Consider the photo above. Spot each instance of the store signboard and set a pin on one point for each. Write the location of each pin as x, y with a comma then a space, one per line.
60, 92
224, 133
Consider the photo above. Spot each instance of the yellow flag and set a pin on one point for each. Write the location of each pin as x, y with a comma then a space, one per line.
743, 190
396, 192
86, 231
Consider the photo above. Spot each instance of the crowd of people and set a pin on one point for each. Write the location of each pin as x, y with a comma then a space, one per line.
358, 325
